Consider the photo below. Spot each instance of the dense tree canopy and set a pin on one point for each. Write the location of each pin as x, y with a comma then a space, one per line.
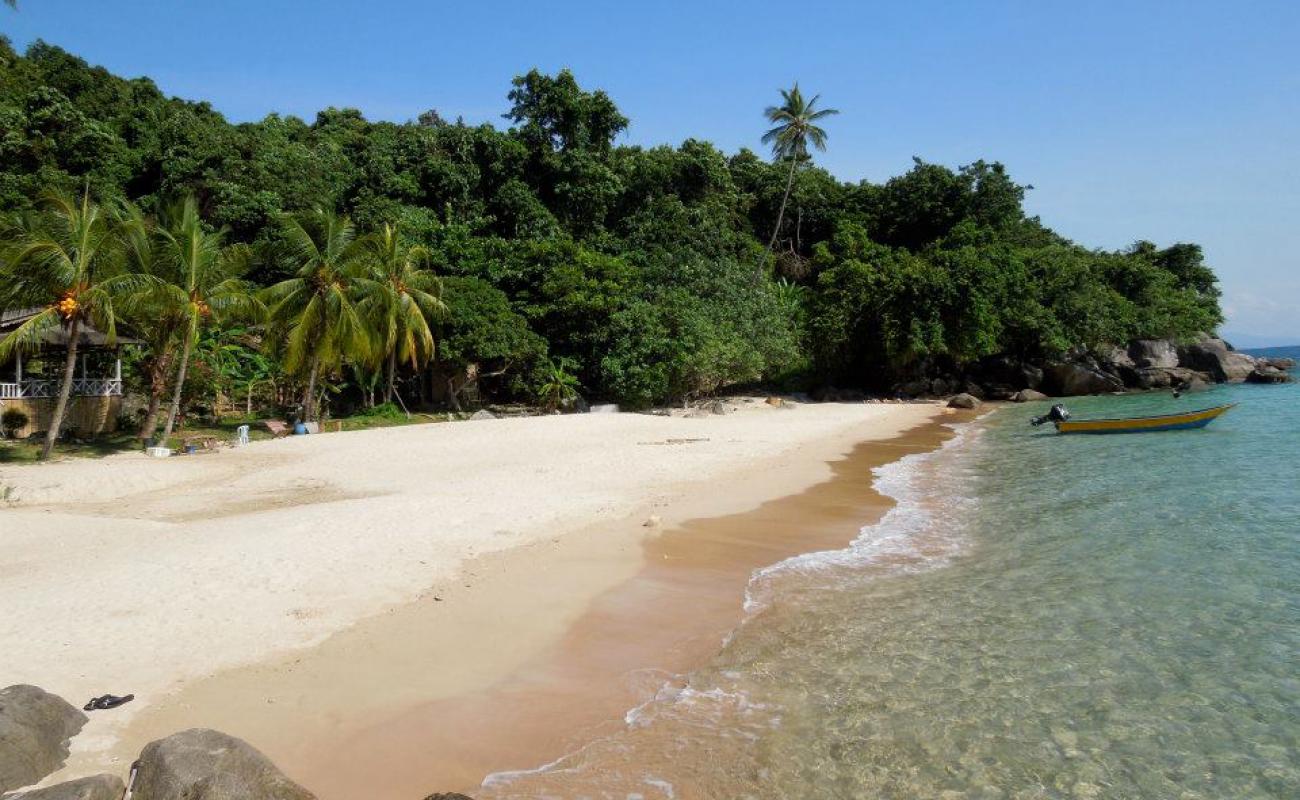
632, 266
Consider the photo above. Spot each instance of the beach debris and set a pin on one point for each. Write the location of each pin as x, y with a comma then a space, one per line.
96, 787
203, 764
691, 440
35, 728
482, 413
963, 400
448, 796
653, 521
605, 408
775, 401
719, 407
107, 701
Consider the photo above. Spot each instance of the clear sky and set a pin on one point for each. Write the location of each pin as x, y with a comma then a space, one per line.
1172, 121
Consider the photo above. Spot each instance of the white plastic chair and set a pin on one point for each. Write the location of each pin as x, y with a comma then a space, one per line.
242, 434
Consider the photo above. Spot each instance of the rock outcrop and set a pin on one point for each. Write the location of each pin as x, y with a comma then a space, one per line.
1217, 359
1141, 364
448, 796
1152, 353
1079, 377
35, 727
963, 401
96, 787
201, 764
1027, 395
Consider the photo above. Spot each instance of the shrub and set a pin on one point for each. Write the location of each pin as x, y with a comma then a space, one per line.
12, 421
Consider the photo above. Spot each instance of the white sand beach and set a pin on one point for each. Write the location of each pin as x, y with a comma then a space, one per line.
130, 574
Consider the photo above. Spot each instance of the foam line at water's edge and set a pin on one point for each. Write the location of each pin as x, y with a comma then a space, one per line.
893, 533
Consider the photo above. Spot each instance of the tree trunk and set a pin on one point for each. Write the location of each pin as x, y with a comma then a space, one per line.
157, 387
65, 390
392, 376
309, 397
175, 409
780, 216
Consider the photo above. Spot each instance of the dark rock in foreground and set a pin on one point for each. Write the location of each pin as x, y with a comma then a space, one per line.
35, 727
448, 796
96, 787
201, 764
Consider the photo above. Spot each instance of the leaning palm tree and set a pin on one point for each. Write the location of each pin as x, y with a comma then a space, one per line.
794, 128
68, 263
314, 317
202, 280
406, 296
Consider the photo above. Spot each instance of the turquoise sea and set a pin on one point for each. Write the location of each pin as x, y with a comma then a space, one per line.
1039, 617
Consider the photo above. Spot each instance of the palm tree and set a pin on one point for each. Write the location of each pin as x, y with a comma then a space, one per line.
152, 324
68, 263
202, 280
314, 315
793, 129
407, 296
559, 386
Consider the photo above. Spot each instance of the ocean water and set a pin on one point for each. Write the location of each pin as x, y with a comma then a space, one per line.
1040, 616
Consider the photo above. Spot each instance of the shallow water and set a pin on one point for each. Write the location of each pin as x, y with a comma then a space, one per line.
1039, 617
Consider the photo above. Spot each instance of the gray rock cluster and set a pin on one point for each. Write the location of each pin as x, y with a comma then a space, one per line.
198, 764
1141, 364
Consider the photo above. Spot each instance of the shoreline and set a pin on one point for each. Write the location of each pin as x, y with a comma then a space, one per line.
653, 605
161, 580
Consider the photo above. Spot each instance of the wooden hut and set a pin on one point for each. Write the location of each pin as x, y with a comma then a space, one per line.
30, 382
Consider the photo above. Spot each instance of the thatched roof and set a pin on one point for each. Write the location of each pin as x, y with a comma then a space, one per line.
88, 337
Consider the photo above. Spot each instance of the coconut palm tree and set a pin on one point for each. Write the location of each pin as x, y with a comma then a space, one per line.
202, 280
794, 128
68, 262
150, 323
407, 296
314, 316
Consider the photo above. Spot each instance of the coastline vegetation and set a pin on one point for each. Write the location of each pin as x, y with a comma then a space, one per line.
436, 262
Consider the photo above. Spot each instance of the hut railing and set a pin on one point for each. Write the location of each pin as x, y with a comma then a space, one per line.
81, 387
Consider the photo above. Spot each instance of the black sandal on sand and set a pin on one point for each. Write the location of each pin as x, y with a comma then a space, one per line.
107, 701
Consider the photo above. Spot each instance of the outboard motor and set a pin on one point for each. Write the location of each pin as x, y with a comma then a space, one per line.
1059, 413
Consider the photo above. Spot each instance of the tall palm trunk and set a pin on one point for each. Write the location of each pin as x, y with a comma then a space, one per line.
391, 379
65, 390
780, 216
309, 397
180, 386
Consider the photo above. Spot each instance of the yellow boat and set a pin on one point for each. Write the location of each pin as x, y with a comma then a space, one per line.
1164, 422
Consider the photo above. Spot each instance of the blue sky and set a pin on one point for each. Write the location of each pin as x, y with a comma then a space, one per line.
1160, 120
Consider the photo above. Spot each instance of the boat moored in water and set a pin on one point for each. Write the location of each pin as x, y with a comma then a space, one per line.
1182, 421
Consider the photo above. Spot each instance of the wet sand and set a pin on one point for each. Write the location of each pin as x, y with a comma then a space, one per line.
667, 618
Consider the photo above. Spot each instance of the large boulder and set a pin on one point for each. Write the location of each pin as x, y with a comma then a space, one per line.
1072, 378
1265, 373
1114, 358
963, 400
1153, 353
35, 727
1216, 357
1027, 396
96, 787
1277, 362
201, 764
1165, 377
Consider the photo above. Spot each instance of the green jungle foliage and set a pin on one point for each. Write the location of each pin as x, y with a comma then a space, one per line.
652, 274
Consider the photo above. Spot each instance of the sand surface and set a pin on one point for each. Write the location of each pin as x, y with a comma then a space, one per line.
442, 557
